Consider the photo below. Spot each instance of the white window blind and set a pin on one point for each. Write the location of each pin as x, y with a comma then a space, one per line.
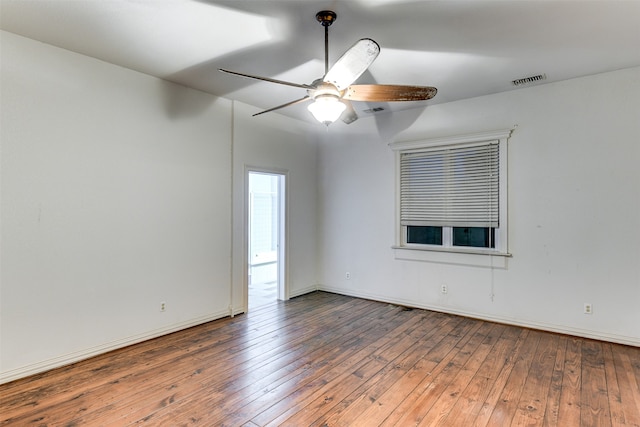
455, 186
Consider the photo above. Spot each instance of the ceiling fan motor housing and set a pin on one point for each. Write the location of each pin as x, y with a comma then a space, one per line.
324, 89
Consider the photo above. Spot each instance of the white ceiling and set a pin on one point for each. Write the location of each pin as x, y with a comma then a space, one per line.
464, 48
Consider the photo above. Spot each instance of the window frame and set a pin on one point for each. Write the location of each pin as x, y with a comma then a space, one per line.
500, 137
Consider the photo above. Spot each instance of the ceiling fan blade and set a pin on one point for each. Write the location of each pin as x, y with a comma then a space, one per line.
389, 93
297, 101
352, 63
349, 116
267, 79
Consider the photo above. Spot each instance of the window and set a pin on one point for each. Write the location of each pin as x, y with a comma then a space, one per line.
426, 235
452, 193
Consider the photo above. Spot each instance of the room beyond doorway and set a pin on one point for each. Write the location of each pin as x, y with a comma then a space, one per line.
265, 231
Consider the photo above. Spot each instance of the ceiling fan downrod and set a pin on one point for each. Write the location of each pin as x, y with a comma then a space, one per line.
326, 18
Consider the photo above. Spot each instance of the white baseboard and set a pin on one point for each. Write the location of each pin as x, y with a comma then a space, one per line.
237, 310
307, 290
57, 362
67, 359
619, 339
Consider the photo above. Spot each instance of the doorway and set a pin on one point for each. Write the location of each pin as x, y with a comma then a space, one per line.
266, 238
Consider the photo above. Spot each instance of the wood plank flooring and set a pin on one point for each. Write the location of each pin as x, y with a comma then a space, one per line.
330, 360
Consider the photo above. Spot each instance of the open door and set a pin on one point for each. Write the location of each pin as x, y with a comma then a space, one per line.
266, 237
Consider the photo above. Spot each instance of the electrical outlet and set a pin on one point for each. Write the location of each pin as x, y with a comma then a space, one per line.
163, 306
444, 289
588, 308
347, 275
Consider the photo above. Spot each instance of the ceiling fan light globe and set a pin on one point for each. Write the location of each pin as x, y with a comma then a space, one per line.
327, 108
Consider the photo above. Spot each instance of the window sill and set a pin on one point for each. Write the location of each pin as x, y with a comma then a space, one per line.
458, 256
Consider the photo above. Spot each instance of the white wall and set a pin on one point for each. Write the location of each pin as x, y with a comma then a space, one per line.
116, 194
574, 211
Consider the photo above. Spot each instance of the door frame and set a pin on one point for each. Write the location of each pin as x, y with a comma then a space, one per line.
283, 230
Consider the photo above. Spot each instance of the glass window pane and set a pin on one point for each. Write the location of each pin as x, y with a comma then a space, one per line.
477, 237
424, 235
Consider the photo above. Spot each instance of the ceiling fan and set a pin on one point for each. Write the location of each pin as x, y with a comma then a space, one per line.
333, 93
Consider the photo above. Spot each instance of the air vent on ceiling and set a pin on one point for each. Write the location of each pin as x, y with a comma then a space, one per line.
373, 110
528, 80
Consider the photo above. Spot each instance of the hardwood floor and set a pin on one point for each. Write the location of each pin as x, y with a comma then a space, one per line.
330, 360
